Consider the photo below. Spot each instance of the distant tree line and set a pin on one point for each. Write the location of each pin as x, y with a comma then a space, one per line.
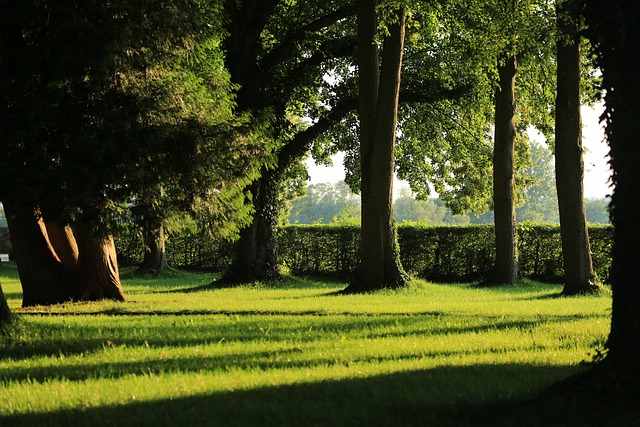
326, 203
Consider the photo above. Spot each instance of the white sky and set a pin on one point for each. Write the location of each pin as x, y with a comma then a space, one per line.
597, 171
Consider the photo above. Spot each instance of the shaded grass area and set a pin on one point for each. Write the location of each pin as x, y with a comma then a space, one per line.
301, 354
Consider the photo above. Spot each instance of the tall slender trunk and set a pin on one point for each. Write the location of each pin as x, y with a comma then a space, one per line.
155, 256
506, 264
257, 257
380, 264
576, 249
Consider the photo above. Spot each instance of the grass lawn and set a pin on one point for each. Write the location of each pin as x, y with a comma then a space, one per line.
300, 354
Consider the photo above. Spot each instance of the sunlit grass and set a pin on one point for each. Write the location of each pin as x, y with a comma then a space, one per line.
292, 354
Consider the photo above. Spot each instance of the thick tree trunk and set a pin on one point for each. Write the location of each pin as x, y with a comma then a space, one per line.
257, 257
99, 274
576, 250
43, 276
155, 257
380, 264
614, 32
64, 245
56, 264
623, 132
506, 264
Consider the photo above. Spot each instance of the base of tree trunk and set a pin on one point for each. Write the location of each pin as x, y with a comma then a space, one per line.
590, 288
358, 286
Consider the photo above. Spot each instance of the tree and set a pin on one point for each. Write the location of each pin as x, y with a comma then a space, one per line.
379, 88
6, 317
151, 213
102, 101
576, 251
506, 263
613, 32
519, 28
277, 53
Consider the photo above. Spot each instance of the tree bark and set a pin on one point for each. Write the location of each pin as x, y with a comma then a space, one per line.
6, 317
42, 275
57, 264
99, 274
380, 264
576, 250
506, 265
155, 256
257, 256
614, 32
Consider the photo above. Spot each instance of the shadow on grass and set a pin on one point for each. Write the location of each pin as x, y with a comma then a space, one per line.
73, 337
485, 395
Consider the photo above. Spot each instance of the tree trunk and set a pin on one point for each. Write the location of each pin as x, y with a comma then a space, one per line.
257, 257
506, 264
614, 32
155, 257
99, 274
64, 245
576, 250
56, 264
42, 275
6, 317
380, 264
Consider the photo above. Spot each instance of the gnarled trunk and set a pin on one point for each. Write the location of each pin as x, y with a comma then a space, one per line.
576, 249
506, 265
43, 276
57, 264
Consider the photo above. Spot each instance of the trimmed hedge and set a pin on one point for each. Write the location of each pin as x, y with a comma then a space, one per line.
194, 251
447, 253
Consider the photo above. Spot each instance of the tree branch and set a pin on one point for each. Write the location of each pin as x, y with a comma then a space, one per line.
288, 47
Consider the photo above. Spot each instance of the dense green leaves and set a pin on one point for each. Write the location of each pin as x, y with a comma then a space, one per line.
103, 101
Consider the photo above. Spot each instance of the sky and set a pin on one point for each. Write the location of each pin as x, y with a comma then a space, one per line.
596, 166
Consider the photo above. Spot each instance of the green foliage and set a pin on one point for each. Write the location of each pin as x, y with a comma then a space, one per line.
106, 102
597, 210
541, 204
407, 209
323, 203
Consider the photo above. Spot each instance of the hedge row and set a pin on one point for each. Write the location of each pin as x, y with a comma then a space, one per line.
447, 253
452, 253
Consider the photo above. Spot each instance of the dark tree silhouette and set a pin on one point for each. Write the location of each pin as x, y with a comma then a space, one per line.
614, 33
